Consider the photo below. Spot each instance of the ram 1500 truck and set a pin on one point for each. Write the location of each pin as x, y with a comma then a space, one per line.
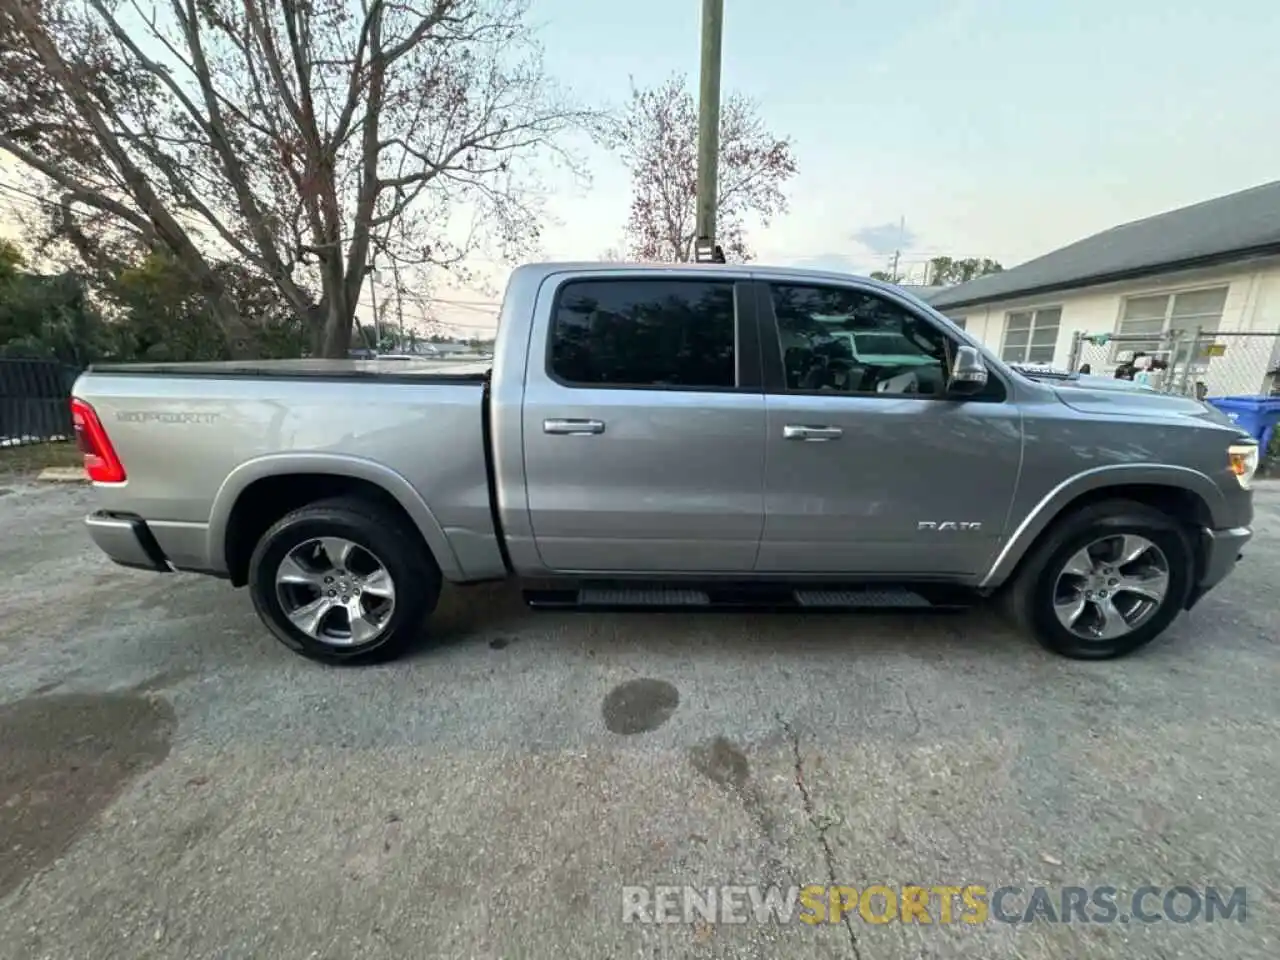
671, 435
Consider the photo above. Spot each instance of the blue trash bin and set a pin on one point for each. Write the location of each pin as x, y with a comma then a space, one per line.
1257, 415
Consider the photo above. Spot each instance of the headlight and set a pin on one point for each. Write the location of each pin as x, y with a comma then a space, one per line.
1243, 458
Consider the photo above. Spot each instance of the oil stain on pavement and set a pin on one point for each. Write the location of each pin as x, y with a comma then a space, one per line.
723, 763
720, 761
639, 706
63, 759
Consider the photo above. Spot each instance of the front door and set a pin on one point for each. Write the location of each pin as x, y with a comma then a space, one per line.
871, 468
644, 428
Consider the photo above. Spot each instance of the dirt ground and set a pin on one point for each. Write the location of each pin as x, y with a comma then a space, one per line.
174, 783
21, 462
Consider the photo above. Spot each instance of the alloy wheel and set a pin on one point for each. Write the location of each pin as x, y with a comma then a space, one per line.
335, 591
1111, 587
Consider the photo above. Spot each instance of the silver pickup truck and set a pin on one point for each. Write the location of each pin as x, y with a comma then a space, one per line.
671, 436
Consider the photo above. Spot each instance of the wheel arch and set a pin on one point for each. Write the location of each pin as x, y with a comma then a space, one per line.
1185, 494
261, 491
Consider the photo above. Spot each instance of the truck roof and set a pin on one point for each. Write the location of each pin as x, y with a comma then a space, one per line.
743, 269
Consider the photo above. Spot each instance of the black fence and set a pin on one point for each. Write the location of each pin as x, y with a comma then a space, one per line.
35, 401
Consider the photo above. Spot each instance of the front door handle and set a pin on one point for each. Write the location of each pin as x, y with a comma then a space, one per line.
573, 427
794, 431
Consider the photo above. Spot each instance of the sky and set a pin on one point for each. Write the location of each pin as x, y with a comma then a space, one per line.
992, 128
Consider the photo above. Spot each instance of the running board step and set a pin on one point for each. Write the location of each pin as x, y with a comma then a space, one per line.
623, 597
894, 598
728, 596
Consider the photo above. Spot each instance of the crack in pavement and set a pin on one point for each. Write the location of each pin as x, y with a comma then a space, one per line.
900, 760
917, 724
822, 825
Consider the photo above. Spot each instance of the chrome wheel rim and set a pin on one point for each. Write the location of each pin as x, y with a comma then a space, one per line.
336, 591
1111, 587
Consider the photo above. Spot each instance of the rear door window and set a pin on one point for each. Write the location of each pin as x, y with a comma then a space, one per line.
644, 332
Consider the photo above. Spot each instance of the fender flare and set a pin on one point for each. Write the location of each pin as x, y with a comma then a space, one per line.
338, 465
1053, 503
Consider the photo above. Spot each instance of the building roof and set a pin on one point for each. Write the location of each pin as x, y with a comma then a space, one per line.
1234, 227
923, 291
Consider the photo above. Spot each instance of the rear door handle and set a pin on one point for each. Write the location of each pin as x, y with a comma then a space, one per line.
794, 431
573, 427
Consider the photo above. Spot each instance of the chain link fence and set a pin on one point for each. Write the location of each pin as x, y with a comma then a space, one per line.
35, 400
1196, 363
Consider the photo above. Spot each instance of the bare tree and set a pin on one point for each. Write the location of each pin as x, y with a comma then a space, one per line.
297, 136
657, 136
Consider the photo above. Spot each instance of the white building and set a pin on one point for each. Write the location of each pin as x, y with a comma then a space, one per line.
1214, 266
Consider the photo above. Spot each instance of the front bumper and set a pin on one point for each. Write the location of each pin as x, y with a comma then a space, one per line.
127, 540
1219, 552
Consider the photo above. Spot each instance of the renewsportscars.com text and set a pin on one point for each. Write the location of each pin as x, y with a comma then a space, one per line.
935, 904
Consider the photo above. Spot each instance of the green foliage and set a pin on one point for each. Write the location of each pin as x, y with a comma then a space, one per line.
151, 310
944, 271
45, 316
11, 259
161, 316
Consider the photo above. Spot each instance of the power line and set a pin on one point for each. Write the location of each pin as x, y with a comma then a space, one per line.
422, 317
19, 196
464, 303
25, 198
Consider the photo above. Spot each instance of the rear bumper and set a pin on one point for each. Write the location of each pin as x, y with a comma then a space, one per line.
1219, 552
127, 540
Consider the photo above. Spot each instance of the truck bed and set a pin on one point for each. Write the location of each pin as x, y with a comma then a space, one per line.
193, 436
416, 370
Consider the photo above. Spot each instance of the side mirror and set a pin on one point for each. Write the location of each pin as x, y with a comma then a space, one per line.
968, 373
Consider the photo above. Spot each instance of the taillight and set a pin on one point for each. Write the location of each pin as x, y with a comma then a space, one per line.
100, 460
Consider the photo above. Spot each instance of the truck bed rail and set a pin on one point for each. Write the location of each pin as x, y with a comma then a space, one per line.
424, 370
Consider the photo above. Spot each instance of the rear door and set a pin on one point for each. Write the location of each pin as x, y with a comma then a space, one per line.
644, 425
871, 467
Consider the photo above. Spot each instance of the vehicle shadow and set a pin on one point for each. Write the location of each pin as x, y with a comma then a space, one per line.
470, 614
497, 615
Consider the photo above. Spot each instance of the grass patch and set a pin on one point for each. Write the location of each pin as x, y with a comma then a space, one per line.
34, 457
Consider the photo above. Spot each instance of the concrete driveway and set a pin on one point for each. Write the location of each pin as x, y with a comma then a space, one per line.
173, 783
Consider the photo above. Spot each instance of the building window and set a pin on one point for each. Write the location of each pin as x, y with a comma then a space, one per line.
1030, 336
644, 332
1165, 316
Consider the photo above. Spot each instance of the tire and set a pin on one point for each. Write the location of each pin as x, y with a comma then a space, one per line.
1043, 577
291, 546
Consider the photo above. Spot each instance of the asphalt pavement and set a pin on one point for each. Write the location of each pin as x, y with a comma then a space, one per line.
174, 783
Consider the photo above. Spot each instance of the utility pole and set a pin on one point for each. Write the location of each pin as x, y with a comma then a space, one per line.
373, 298
902, 232
395, 272
705, 247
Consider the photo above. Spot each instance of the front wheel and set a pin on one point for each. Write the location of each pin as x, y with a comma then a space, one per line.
344, 581
1104, 582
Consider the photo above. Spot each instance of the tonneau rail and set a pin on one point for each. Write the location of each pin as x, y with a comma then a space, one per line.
424, 370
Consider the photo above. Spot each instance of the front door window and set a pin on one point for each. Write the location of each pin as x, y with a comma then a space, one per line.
846, 341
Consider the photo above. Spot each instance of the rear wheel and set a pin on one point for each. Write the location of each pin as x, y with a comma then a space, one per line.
343, 581
1104, 581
